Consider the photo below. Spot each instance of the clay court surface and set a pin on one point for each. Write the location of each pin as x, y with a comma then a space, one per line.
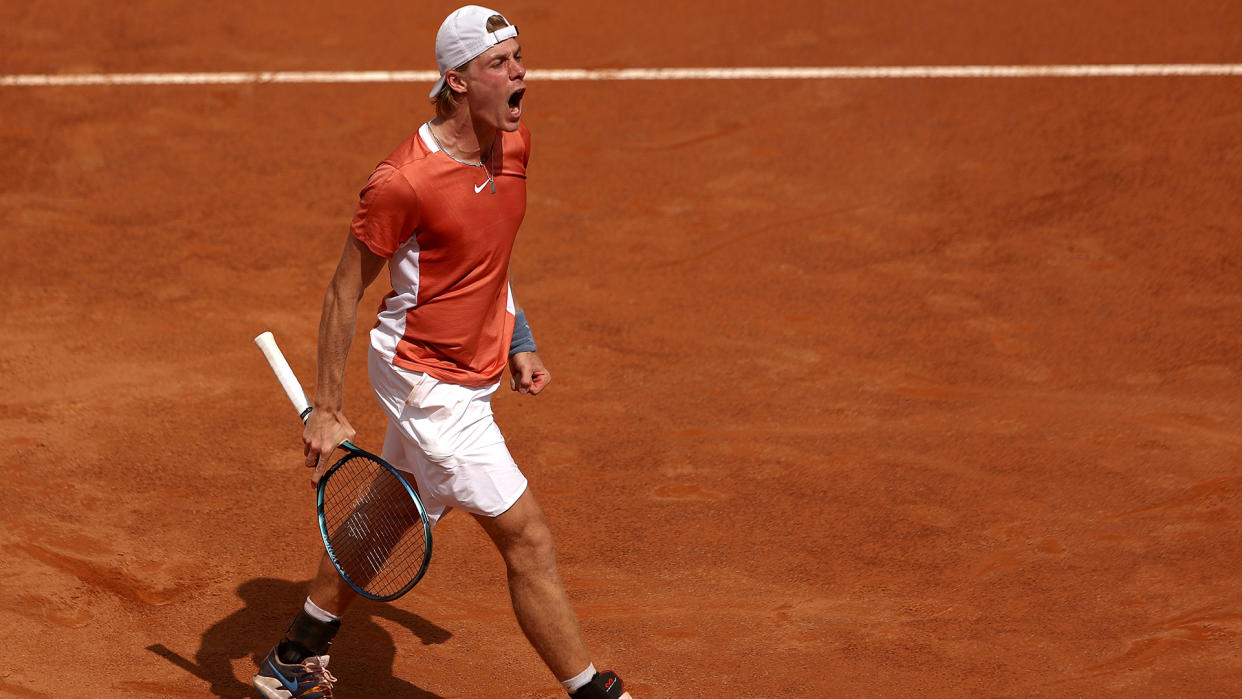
861, 387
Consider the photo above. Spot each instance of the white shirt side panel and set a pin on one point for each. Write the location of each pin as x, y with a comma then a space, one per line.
404, 274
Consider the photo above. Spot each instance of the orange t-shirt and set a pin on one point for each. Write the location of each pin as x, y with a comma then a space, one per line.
447, 238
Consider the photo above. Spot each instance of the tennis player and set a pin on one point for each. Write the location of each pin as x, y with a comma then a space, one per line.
442, 212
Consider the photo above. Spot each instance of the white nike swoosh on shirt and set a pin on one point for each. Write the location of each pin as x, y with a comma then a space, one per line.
479, 188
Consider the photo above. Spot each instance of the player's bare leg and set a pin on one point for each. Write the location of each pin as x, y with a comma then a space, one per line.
540, 604
329, 590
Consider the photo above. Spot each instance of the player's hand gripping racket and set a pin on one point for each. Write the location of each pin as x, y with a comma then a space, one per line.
373, 524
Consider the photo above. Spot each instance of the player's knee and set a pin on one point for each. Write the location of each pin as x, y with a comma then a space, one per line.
532, 549
536, 541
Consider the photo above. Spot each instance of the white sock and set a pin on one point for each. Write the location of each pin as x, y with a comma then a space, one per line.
579, 680
317, 613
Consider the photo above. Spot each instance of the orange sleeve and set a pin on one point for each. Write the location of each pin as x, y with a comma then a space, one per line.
387, 212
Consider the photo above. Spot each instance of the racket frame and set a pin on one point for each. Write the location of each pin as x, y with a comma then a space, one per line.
323, 523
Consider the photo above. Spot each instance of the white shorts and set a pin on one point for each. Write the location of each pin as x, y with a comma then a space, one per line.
445, 436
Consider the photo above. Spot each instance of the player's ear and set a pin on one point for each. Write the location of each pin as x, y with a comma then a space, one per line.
456, 82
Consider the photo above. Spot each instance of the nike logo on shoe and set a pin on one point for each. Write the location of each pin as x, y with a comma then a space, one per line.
291, 686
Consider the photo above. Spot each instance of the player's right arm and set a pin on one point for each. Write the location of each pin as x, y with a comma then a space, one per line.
327, 426
387, 216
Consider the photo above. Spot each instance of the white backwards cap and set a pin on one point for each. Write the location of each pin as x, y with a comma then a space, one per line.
464, 35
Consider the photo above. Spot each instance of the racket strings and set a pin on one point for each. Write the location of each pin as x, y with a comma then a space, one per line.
376, 532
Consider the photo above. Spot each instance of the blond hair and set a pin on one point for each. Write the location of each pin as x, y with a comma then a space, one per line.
446, 101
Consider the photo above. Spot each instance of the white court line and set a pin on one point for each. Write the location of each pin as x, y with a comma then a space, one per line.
809, 73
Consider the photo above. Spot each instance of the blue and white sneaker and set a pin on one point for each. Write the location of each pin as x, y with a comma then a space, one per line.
309, 679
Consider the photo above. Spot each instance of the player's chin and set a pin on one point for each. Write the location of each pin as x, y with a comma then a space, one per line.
510, 121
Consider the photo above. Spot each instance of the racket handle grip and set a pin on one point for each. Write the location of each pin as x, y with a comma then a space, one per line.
288, 381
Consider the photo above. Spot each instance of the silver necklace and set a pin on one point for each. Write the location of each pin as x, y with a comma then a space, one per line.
482, 163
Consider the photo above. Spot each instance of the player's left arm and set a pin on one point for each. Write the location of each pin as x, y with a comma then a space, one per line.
527, 374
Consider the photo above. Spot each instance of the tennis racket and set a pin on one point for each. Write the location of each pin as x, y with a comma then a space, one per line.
373, 525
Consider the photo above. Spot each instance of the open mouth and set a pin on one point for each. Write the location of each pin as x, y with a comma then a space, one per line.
515, 102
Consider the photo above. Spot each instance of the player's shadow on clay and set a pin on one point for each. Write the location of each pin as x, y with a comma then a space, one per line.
366, 651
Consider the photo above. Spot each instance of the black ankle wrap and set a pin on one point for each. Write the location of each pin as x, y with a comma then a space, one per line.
307, 636
604, 685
